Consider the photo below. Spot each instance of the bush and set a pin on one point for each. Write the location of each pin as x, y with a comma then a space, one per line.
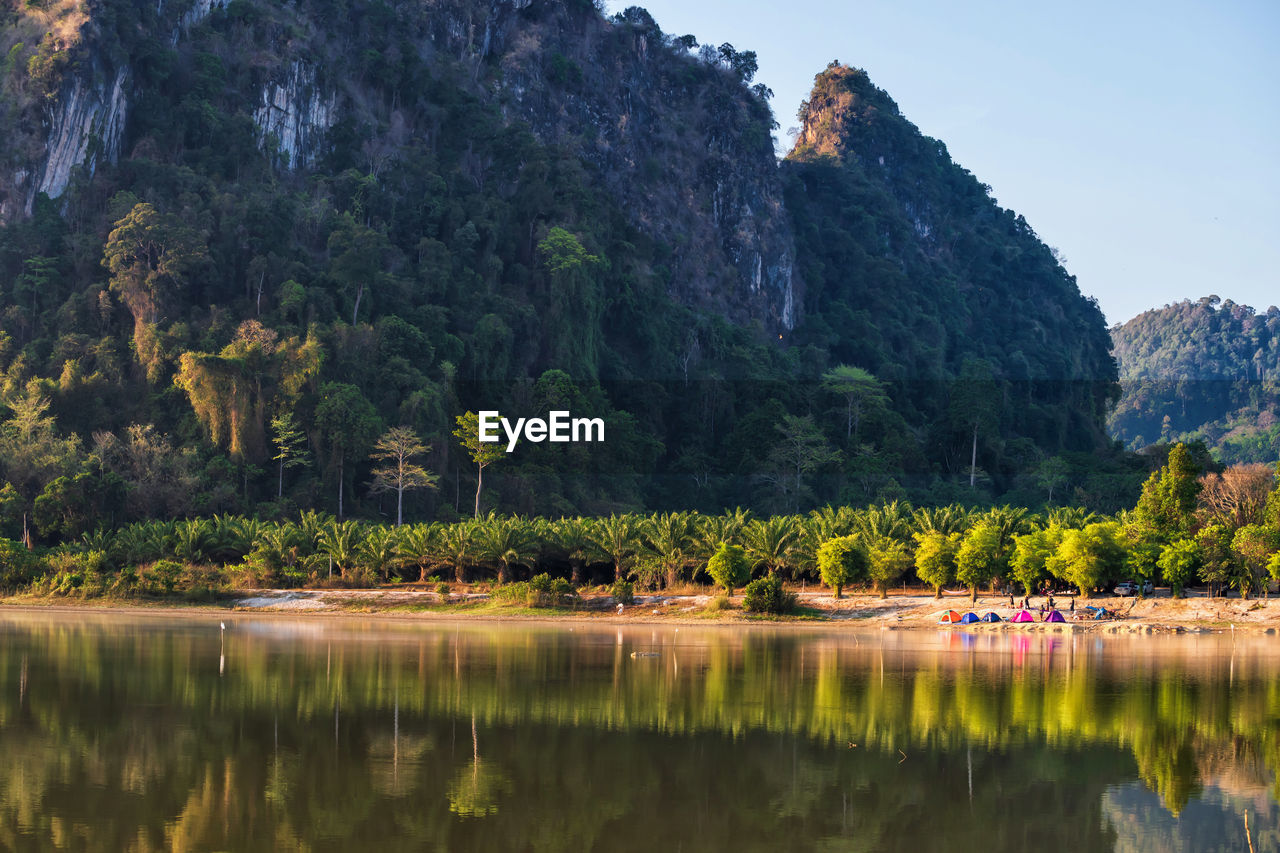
623, 592
728, 567
766, 595
18, 567
546, 591
443, 589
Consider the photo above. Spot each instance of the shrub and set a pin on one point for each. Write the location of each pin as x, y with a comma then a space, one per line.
766, 595
163, 574
546, 591
728, 567
623, 592
443, 589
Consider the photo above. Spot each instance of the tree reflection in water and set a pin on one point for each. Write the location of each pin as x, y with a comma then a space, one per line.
121, 733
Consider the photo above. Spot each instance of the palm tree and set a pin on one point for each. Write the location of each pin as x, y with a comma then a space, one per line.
338, 540
379, 551
419, 543
887, 521
1070, 517
573, 538
457, 545
945, 520
192, 540
617, 539
503, 542
669, 536
715, 529
771, 542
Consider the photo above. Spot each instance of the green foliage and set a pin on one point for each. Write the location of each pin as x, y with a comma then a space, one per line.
729, 567
766, 595
982, 557
623, 592
1205, 370
1179, 561
888, 561
1031, 554
935, 558
1167, 506
842, 561
1089, 557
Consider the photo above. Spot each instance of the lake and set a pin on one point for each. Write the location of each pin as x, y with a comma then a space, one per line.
167, 732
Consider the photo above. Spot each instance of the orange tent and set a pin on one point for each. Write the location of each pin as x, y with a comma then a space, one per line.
950, 618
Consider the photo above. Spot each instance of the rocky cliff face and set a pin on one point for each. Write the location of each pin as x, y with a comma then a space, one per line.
680, 143
294, 115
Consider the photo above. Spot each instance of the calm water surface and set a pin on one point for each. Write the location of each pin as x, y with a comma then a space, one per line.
156, 733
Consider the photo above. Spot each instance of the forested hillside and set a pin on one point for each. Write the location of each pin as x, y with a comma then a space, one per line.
1206, 371
241, 241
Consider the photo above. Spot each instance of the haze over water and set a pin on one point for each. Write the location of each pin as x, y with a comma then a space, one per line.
147, 733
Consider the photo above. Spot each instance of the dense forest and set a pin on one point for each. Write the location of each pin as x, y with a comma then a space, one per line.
244, 242
1205, 371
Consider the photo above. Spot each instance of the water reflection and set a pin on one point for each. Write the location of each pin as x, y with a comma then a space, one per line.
154, 733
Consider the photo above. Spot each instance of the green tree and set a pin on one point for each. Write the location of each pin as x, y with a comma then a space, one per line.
1167, 504
1253, 546
504, 542
290, 446
151, 257
1090, 556
669, 536
982, 557
1031, 553
396, 450
802, 450
728, 567
617, 539
1178, 562
888, 560
842, 561
859, 389
936, 559
482, 453
975, 405
771, 541
348, 424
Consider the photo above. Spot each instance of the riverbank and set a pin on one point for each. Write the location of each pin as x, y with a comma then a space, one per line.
1158, 613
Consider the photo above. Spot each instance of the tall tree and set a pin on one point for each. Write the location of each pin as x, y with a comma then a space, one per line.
290, 446
348, 424
860, 389
1167, 504
483, 454
396, 450
975, 405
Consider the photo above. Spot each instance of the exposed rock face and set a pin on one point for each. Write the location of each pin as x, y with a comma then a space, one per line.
295, 114
88, 123
679, 142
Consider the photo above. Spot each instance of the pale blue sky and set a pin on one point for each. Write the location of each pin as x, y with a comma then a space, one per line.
1141, 139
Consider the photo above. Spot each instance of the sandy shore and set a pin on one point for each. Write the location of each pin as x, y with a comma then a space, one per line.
1158, 613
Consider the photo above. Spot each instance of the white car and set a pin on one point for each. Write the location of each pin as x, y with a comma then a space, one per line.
1133, 588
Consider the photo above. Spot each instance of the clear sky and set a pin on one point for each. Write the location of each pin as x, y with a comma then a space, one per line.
1141, 139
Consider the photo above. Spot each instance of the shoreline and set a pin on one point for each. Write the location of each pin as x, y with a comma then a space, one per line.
818, 610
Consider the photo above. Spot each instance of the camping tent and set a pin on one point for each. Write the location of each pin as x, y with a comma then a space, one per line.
949, 618
969, 619
991, 617
1023, 616
1054, 616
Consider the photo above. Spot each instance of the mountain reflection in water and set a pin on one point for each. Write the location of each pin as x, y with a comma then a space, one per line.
121, 732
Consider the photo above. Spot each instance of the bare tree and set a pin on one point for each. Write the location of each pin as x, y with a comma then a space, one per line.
397, 449
1237, 496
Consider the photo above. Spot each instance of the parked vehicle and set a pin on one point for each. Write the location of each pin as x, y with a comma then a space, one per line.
1132, 588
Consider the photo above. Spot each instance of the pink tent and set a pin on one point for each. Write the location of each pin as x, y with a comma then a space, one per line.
1023, 616
1054, 616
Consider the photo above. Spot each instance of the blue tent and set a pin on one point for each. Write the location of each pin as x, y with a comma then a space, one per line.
969, 618
991, 617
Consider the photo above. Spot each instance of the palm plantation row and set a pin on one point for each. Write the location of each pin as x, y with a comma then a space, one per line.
1179, 532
